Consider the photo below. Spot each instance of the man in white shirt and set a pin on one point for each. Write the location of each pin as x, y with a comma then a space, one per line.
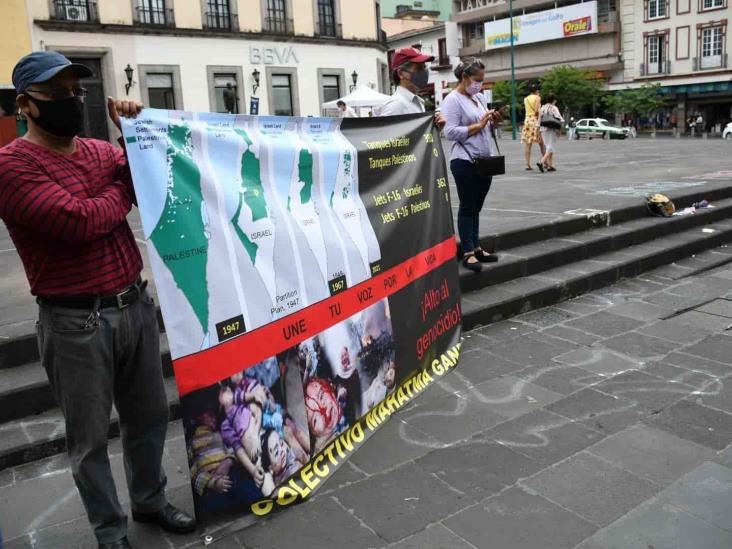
409, 72
345, 110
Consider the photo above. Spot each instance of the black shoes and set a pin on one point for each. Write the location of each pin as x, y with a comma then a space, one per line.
540, 166
484, 257
169, 518
119, 544
474, 266
481, 257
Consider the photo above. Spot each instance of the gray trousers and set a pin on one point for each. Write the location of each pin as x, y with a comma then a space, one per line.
94, 359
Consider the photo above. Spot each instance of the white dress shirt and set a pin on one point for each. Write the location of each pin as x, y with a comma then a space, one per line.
348, 113
402, 102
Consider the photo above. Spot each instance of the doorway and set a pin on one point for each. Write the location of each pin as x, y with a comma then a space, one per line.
95, 103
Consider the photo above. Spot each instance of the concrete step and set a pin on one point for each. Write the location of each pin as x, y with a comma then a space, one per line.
501, 301
525, 251
538, 257
39, 432
567, 225
34, 437
518, 259
538, 267
25, 391
526, 277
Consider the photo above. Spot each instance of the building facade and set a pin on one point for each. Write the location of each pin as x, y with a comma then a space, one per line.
292, 55
408, 19
442, 8
591, 41
431, 41
683, 45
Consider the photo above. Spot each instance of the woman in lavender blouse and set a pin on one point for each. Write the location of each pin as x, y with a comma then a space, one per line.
469, 126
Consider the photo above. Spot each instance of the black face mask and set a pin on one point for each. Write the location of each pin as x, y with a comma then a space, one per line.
420, 79
61, 117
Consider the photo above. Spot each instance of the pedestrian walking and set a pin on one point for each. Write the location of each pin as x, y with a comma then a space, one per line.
572, 133
469, 125
409, 74
530, 135
344, 111
551, 123
65, 201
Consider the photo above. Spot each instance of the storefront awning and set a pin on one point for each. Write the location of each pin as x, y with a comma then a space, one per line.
708, 87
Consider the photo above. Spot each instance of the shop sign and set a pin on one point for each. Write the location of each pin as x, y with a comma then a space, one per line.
273, 56
565, 22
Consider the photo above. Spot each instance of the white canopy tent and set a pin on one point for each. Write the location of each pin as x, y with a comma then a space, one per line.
362, 97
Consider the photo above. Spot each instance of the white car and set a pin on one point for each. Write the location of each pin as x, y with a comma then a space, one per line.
599, 127
727, 132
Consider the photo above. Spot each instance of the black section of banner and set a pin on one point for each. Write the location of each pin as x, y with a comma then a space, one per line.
401, 166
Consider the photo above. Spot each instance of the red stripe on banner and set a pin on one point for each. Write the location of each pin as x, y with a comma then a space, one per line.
199, 370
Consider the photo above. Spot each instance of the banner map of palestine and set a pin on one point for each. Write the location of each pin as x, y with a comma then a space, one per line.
306, 273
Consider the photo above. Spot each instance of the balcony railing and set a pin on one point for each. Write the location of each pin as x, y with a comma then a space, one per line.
710, 62
163, 17
76, 11
329, 30
221, 21
279, 25
653, 69
608, 17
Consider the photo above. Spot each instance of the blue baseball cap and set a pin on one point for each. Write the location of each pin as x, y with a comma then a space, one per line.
41, 66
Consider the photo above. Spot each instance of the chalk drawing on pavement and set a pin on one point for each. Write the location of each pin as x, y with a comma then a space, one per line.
722, 174
644, 189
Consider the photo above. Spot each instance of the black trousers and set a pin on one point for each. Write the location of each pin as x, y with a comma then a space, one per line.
472, 190
95, 358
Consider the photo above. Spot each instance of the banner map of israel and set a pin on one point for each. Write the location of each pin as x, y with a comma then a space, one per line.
306, 273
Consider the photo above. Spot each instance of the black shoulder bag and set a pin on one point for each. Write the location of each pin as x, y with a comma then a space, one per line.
488, 166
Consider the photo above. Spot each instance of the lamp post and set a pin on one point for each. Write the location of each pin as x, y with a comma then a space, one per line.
129, 71
513, 73
354, 77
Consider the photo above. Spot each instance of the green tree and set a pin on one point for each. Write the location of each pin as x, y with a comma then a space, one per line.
502, 94
635, 102
574, 88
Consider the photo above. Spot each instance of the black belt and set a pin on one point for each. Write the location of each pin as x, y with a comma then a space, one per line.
125, 298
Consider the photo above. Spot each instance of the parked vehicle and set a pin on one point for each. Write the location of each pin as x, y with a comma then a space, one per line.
727, 132
600, 128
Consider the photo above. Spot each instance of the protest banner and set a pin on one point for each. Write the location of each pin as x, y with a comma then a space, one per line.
306, 273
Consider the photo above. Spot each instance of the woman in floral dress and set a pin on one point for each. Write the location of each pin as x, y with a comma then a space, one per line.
531, 133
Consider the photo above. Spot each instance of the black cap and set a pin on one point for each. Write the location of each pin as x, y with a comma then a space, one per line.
41, 66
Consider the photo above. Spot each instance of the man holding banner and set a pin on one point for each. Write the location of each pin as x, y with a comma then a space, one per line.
65, 200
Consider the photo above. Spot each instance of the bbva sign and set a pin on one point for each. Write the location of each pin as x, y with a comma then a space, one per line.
273, 56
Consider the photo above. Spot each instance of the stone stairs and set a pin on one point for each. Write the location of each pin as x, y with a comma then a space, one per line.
538, 266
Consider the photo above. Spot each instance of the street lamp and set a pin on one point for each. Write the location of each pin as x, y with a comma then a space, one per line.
129, 71
354, 77
255, 76
513, 73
